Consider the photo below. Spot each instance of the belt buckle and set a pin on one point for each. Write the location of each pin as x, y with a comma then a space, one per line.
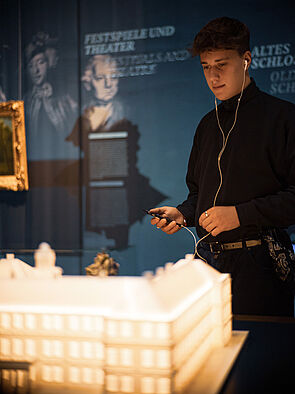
215, 247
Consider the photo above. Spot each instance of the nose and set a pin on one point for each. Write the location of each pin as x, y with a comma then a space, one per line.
33, 68
213, 74
107, 82
36, 68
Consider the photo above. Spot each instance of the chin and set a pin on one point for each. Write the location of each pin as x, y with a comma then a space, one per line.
108, 97
38, 82
221, 97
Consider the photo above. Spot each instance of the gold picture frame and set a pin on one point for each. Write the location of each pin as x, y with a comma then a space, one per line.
13, 152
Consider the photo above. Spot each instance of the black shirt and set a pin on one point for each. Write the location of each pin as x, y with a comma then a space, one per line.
258, 165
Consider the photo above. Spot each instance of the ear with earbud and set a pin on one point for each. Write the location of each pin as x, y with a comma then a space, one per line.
245, 65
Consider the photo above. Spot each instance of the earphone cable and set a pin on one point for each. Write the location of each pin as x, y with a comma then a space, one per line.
224, 143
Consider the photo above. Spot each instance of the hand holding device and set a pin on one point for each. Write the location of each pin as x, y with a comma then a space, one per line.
168, 219
173, 215
156, 215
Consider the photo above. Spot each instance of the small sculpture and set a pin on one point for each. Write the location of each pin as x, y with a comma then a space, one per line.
103, 265
45, 267
44, 256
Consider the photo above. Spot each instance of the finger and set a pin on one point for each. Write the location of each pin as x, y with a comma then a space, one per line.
215, 232
201, 219
159, 211
170, 226
166, 229
210, 227
206, 222
205, 216
173, 230
154, 221
162, 223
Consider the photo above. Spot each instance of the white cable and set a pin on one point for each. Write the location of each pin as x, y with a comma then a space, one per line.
224, 143
196, 248
195, 241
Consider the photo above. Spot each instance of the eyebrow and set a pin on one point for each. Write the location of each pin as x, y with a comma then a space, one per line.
217, 60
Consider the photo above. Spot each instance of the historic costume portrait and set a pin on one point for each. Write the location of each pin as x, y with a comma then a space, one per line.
47, 110
50, 113
116, 192
101, 85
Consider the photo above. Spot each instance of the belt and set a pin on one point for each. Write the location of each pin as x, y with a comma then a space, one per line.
218, 247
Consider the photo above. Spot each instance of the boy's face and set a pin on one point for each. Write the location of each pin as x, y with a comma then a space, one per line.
224, 71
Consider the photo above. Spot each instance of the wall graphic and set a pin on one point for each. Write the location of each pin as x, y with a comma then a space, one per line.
50, 114
115, 189
278, 61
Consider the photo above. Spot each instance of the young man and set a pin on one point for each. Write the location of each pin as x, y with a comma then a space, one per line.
241, 174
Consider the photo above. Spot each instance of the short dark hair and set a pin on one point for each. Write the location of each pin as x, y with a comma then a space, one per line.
222, 33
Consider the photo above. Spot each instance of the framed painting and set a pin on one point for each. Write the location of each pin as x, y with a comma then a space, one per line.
13, 153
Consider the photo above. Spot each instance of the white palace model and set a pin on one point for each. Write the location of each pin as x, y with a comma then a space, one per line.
148, 334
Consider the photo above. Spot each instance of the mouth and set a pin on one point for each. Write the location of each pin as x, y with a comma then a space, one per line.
216, 88
109, 94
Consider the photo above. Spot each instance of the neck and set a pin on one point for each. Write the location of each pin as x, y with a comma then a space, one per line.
247, 80
245, 84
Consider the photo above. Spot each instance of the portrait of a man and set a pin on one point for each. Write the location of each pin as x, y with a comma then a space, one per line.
101, 84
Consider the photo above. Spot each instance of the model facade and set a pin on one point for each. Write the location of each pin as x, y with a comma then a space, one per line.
148, 334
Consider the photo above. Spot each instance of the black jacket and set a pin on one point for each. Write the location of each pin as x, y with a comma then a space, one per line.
258, 165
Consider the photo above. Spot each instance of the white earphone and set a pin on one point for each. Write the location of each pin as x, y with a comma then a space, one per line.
225, 137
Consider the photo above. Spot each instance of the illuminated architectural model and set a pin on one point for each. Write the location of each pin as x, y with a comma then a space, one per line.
148, 334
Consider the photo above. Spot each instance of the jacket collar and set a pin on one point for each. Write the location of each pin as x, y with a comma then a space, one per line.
251, 91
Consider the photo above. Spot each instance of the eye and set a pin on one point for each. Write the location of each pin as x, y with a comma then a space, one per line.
205, 68
220, 65
98, 77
